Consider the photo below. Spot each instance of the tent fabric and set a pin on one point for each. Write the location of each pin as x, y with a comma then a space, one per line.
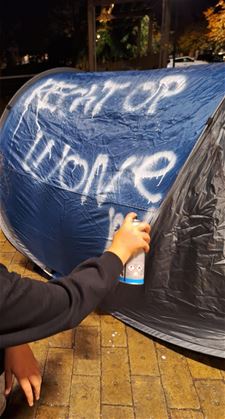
183, 301
80, 150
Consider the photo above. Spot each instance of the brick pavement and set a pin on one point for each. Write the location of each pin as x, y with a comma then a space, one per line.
106, 370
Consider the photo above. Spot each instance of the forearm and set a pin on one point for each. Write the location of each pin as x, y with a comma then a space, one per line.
32, 310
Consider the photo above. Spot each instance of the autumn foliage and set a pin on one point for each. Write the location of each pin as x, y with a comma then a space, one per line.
215, 17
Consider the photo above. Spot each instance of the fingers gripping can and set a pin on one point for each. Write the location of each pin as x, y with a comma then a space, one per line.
134, 270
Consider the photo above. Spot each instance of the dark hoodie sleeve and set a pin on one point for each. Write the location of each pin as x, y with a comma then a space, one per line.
31, 309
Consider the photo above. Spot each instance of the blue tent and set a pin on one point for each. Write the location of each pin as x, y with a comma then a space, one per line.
81, 150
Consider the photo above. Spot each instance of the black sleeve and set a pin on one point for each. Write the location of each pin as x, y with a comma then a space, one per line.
31, 309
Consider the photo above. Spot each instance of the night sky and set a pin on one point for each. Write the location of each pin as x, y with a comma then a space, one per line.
190, 9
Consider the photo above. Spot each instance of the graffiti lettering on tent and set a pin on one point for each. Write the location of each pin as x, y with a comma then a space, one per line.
51, 95
61, 172
72, 171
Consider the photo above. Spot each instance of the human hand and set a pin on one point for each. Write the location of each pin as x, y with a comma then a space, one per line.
20, 361
130, 238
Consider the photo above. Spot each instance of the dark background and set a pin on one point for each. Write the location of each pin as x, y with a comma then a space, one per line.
38, 27
54, 33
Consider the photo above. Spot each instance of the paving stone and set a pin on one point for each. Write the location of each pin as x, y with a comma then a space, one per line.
186, 414
113, 332
176, 379
2, 396
2, 237
149, 400
212, 397
85, 398
57, 377
116, 386
62, 340
117, 412
87, 351
142, 354
201, 366
19, 263
2, 383
6, 258
40, 350
52, 412
36, 276
92, 320
20, 259
15, 267
29, 271
8, 247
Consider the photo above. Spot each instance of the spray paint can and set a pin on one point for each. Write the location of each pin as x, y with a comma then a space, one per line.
134, 270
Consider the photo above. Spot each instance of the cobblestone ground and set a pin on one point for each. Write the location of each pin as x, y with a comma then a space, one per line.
106, 370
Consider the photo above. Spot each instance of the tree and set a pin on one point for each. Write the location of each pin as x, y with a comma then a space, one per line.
193, 40
215, 17
144, 41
